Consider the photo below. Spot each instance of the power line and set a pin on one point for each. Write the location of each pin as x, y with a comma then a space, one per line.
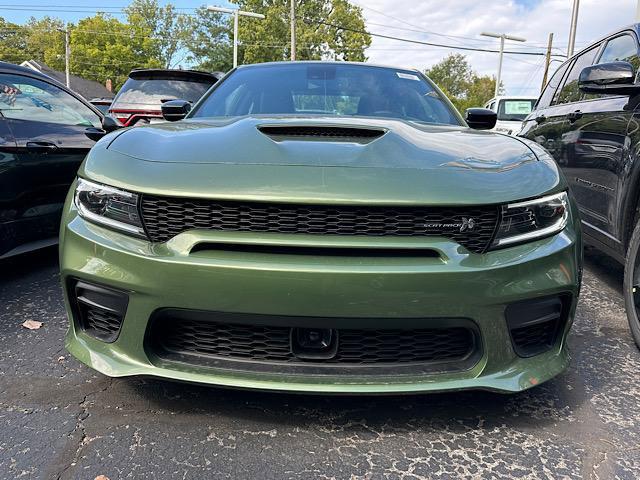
420, 42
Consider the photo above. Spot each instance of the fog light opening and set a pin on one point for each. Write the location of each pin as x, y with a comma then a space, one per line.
98, 311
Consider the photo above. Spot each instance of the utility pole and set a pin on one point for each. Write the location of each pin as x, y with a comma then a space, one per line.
236, 13
502, 37
638, 12
293, 30
67, 53
547, 62
572, 30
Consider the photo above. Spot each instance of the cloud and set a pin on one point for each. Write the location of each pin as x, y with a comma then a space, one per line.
459, 22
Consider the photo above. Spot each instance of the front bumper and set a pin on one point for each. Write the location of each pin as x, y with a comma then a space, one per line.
384, 291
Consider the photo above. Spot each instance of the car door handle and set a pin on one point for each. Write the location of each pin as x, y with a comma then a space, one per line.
573, 116
41, 147
541, 119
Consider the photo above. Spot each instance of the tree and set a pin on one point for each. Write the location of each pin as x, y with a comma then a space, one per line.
36, 40
102, 47
209, 45
464, 87
169, 30
318, 33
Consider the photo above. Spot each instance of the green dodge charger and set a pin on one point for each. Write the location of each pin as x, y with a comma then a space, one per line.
321, 227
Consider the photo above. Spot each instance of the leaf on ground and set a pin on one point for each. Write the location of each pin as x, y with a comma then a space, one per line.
61, 358
101, 477
32, 324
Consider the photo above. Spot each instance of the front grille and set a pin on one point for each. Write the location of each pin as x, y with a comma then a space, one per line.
193, 339
166, 217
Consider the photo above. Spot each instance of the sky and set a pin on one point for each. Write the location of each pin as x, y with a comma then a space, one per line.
449, 22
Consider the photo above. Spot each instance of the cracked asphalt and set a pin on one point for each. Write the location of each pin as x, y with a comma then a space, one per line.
59, 420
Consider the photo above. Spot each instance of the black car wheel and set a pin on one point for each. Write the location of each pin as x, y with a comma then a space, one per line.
632, 284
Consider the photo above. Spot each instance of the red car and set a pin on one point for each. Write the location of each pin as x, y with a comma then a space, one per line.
140, 98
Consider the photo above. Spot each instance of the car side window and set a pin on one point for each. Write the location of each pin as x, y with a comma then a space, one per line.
621, 49
26, 98
552, 85
570, 92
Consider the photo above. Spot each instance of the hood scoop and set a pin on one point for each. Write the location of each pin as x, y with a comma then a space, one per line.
320, 133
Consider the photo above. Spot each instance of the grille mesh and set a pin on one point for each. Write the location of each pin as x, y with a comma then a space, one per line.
166, 217
533, 339
101, 324
187, 337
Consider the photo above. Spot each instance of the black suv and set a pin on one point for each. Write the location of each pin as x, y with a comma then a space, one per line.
588, 118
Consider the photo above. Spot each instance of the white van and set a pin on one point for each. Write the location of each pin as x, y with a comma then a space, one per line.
511, 111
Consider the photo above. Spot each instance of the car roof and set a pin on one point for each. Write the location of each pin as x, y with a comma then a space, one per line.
173, 73
326, 62
634, 27
6, 67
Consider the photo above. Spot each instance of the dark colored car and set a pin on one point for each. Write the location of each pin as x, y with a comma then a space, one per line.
140, 98
46, 131
587, 118
102, 104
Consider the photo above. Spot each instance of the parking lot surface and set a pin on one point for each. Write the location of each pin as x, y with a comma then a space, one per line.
60, 420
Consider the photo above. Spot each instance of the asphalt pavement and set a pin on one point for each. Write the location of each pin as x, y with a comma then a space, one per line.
60, 420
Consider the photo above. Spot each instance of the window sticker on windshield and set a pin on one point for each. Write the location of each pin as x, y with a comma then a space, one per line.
408, 76
515, 108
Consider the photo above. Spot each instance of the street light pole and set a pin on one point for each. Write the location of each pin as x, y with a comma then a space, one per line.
502, 37
236, 13
572, 30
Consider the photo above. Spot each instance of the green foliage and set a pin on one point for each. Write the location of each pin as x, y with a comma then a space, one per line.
103, 47
209, 44
169, 30
36, 40
269, 39
464, 87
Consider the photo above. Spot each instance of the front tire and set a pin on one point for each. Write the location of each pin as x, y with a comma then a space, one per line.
631, 285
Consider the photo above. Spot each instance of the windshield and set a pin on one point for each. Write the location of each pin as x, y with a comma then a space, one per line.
327, 89
515, 110
153, 91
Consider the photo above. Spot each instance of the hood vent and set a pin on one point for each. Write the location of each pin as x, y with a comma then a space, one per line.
321, 132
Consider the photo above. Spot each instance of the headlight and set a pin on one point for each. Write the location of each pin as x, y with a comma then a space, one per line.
526, 221
109, 206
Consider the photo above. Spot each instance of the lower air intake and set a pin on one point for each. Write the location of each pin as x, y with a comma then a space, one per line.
98, 311
535, 325
201, 338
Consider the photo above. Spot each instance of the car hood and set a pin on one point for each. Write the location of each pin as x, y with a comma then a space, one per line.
302, 159
401, 144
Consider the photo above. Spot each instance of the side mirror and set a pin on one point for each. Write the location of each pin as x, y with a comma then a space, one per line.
616, 78
109, 124
481, 118
175, 110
